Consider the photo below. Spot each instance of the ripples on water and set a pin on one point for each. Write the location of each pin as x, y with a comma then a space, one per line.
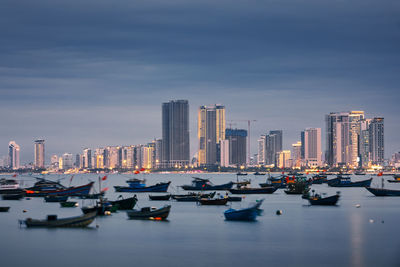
199, 236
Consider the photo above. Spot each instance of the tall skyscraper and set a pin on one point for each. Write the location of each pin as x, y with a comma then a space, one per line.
274, 144
312, 147
342, 138
87, 158
376, 141
364, 143
262, 145
175, 133
210, 131
13, 155
66, 161
296, 155
237, 146
158, 152
39, 154
283, 159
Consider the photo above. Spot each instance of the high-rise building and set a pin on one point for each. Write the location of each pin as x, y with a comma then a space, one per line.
283, 159
87, 158
224, 145
54, 162
296, 155
237, 146
376, 141
364, 143
113, 157
175, 133
13, 155
99, 158
342, 138
312, 147
66, 161
39, 154
274, 144
262, 145
211, 129
158, 152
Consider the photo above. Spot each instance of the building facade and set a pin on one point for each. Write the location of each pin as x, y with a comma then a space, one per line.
39, 157
13, 155
312, 147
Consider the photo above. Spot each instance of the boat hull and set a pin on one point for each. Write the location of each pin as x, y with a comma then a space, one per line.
326, 201
13, 196
226, 186
160, 187
381, 192
159, 214
71, 191
249, 214
162, 197
214, 202
337, 183
125, 204
4, 209
262, 190
78, 221
55, 198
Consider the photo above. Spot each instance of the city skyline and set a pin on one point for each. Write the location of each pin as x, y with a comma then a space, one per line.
285, 64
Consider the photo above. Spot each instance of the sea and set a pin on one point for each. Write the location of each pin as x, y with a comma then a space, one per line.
362, 230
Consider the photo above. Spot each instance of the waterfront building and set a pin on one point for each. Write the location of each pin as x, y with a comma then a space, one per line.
54, 162
158, 153
224, 145
283, 159
210, 131
87, 158
13, 155
39, 156
99, 158
175, 133
364, 144
66, 161
342, 138
237, 146
312, 147
262, 145
274, 144
78, 161
376, 141
296, 155
148, 156
113, 157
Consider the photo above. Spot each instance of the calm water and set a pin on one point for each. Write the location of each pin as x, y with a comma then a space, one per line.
199, 235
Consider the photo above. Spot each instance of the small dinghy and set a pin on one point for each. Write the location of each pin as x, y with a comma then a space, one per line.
247, 214
150, 213
52, 221
159, 197
4, 209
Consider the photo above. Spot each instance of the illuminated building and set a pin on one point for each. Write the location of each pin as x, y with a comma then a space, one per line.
312, 147
66, 161
99, 158
87, 158
224, 153
376, 141
39, 154
283, 159
175, 133
262, 145
296, 155
274, 145
210, 131
13, 155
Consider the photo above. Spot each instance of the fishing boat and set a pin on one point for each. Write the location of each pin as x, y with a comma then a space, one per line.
359, 173
249, 190
4, 209
247, 214
213, 201
205, 184
241, 173
382, 192
10, 186
101, 208
160, 197
55, 198
124, 203
136, 183
150, 213
345, 181
52, 221
198, 195
278, 182
17, 196
396, 179
317, 199
319, 179
69, 204
259, 173
70, 191
159, 187
92, 196
297, 188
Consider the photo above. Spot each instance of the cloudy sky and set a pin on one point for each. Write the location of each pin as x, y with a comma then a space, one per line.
94, 73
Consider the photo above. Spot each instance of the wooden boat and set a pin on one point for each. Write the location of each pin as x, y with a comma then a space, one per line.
213, 201
317, 199
160, 187
160, 197
396, 179
241, 173
10, 186
342, 181
319, 179
247, 214
46, 185
136, 183
4, 209
52, 221
382, 192
297, 188
69, 204
101, 207
70, 191
92, 196
124, 203
55, 198
150, 213
193, 198
197, 195
258, 173
247, 190
205, 184
234, 199
17, 196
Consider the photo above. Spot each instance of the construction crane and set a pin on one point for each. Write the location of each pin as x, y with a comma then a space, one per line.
248, 139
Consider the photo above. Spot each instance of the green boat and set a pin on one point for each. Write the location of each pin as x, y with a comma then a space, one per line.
69, 204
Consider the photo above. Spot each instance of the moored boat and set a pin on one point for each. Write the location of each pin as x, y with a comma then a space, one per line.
213, 201
4, 209
150, 213
124, 203
70, 191
160, 197
247, 214
205, 184
52, 221
69, 204
383, 192
259, 173
159, 187
342, 181
55, 198
248, 190
317, 199
16, 196
10, 186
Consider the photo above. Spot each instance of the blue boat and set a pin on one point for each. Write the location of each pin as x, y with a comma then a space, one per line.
70, 191
382, 192
205, 184
136, 183
247, 214
345, 181
160, 187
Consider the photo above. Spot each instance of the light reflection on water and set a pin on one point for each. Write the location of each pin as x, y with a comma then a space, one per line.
199, 236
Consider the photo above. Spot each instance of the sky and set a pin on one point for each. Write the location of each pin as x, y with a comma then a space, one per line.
94, 73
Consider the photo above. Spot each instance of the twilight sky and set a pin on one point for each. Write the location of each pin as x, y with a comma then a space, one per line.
94, 73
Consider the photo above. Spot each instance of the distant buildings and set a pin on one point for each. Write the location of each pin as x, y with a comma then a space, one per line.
13, 155
268, 147
39, 158
312, 147
376, 141
235, 145
283, 159
175, 133
296, 155
66, 161
210, 131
